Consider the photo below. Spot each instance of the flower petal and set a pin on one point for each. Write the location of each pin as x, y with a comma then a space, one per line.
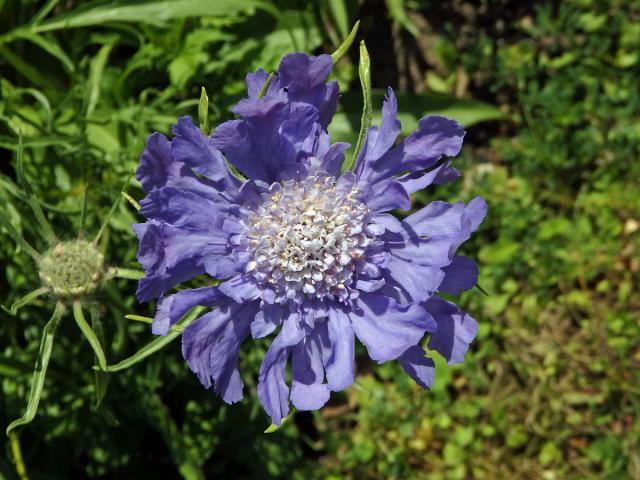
460, 276
420, 367
308, 390
273, 391
456, 330
340, 363
386, 328
211, 346
241, 288
172, 308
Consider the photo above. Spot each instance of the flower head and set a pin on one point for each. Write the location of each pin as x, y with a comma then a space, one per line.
301, 248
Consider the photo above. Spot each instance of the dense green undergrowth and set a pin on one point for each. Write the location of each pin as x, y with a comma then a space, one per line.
550, 96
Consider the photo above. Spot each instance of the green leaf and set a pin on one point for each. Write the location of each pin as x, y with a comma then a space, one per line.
26, 300
34, 203
83, 211
203, 113
346, 44
40, 372
340, 15
112, 210
398, 13
273, 427
265, 87
98, 63
153, 12
89, 334
49, 45
364, 70
4, 221
149, 321
127, 273
157, 344
131, 200
101, 378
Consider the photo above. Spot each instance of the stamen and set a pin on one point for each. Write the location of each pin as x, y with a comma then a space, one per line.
307, 238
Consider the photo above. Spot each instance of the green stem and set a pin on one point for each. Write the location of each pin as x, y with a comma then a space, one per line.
16, 451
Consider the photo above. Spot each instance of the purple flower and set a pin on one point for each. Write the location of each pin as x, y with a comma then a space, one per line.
301, 249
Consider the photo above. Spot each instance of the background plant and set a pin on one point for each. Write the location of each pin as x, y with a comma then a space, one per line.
549, 93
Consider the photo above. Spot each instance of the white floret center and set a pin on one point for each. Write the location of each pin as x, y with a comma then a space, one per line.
307, 237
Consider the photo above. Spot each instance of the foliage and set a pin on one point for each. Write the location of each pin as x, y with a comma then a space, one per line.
550, 388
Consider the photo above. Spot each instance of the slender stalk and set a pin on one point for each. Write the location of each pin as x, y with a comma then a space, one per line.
112, 210
16, 451
89, 334
83, 212
131, 200
40, 372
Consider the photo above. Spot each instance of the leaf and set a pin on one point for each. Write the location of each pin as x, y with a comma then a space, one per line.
26, 300
340, 15
92, 94
156, 344
4, 221
273, 427
101, 378
34, 202
203, 114
364, 70
49, 45
346, 44
40, 372
89, 334
399, 14
153, 12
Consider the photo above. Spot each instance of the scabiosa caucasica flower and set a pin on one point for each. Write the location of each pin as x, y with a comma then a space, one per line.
301, 248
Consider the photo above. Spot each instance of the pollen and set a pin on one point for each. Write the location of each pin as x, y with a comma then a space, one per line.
72, 269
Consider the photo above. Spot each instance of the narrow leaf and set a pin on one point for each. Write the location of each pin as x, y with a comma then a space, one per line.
364, 70
26, 300
203, 112
127, 273
346, 45
340, 15
273, 427
131, 200
4, 221
34, 203
265, 87
89, 334
398, 13
149, 321
156, 344
83, 211
98, 63
40, 372
101, 378
112, 210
